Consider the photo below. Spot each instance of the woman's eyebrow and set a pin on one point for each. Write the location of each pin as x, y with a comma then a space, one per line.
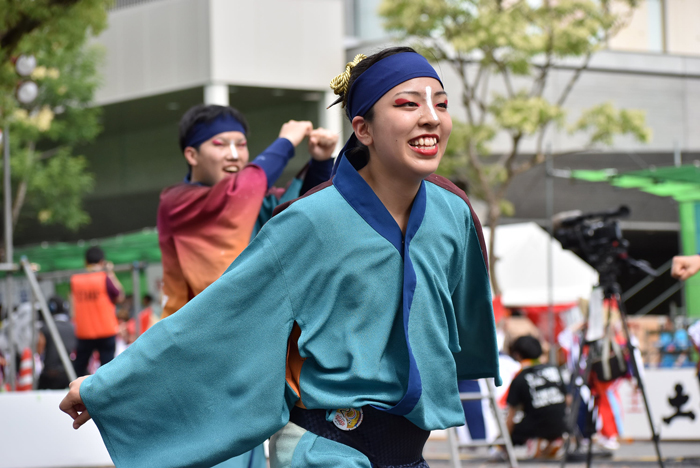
414, 93
419, 94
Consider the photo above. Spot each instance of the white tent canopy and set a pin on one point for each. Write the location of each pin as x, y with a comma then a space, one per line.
522, 264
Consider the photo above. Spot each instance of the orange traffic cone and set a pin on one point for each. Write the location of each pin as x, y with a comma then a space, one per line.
25, 379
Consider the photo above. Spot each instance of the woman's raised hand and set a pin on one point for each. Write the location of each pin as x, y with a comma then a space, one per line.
322, 143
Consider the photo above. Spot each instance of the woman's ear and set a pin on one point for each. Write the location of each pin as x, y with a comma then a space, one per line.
362, 130
191, 156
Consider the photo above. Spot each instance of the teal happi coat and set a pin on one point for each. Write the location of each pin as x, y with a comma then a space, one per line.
384, 319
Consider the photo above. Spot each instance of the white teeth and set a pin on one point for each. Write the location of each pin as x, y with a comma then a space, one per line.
427, 142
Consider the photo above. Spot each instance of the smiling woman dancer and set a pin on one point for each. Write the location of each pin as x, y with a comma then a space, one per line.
367, 301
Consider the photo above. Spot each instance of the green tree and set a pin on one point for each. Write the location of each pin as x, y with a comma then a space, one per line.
50, 181
36, 26
513, 45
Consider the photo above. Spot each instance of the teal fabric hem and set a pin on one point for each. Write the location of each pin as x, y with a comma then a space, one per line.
253, 459
85, 395
313, 451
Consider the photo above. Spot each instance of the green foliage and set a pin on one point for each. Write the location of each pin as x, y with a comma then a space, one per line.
493, 41
455, 163
43, 138
602, 122
42, 26
504, 51
524, 114
509, 32
58, 188
49, 180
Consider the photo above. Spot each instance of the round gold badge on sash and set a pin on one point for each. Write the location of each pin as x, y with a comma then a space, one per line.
347, 419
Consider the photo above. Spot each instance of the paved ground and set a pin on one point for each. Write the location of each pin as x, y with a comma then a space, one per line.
630, 454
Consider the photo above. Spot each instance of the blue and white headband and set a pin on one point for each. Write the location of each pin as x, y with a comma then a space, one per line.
203, 131
377, 80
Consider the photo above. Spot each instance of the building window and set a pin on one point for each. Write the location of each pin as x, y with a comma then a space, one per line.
362, 20
655, 10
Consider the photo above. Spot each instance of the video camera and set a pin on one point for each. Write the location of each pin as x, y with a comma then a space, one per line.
597, 238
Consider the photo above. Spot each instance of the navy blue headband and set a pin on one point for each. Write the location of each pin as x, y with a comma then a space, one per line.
391, 71
377, 80
205, 130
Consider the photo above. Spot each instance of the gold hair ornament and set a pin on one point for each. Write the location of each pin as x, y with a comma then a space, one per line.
339, 84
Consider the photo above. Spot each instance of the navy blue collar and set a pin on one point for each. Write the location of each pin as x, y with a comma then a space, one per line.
353, 188
362, 198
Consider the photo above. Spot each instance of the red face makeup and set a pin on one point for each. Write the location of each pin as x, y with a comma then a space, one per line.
401, 102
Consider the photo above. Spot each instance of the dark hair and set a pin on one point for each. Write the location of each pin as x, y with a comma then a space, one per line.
94, 255
57, 305
360, 154
147, 298
206, 113
527, 347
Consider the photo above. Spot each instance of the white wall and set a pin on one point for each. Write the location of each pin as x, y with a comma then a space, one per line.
36, 434
294, 44
159, 47
155, 48
666, 87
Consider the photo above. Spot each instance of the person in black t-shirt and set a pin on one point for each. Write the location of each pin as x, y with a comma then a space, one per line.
537, 396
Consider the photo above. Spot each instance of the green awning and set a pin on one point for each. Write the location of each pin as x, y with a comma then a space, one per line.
680, 182
140, 246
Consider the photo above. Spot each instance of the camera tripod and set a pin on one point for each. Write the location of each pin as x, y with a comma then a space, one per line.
611, 292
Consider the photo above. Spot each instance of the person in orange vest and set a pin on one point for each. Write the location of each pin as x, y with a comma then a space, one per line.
147, 316
95, 295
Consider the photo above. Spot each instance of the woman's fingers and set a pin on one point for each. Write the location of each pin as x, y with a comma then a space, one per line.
72, 404
81, 419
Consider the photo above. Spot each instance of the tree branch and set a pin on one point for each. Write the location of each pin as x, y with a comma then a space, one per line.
539, 159
540, 143
477, 80
24, 25
508, 164
483, 178
49, 154
459, 64
574, 79
19, 202
506, 76
482, 101
22, 188
565, 94
541, 81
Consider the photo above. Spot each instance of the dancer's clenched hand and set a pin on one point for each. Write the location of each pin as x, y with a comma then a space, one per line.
322, 143
295, 131
73, 405
685, 266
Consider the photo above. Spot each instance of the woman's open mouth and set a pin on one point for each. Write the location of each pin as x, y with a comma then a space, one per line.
426, 145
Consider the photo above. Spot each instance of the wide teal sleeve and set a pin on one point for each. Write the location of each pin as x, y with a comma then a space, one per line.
476, 328
208, 382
